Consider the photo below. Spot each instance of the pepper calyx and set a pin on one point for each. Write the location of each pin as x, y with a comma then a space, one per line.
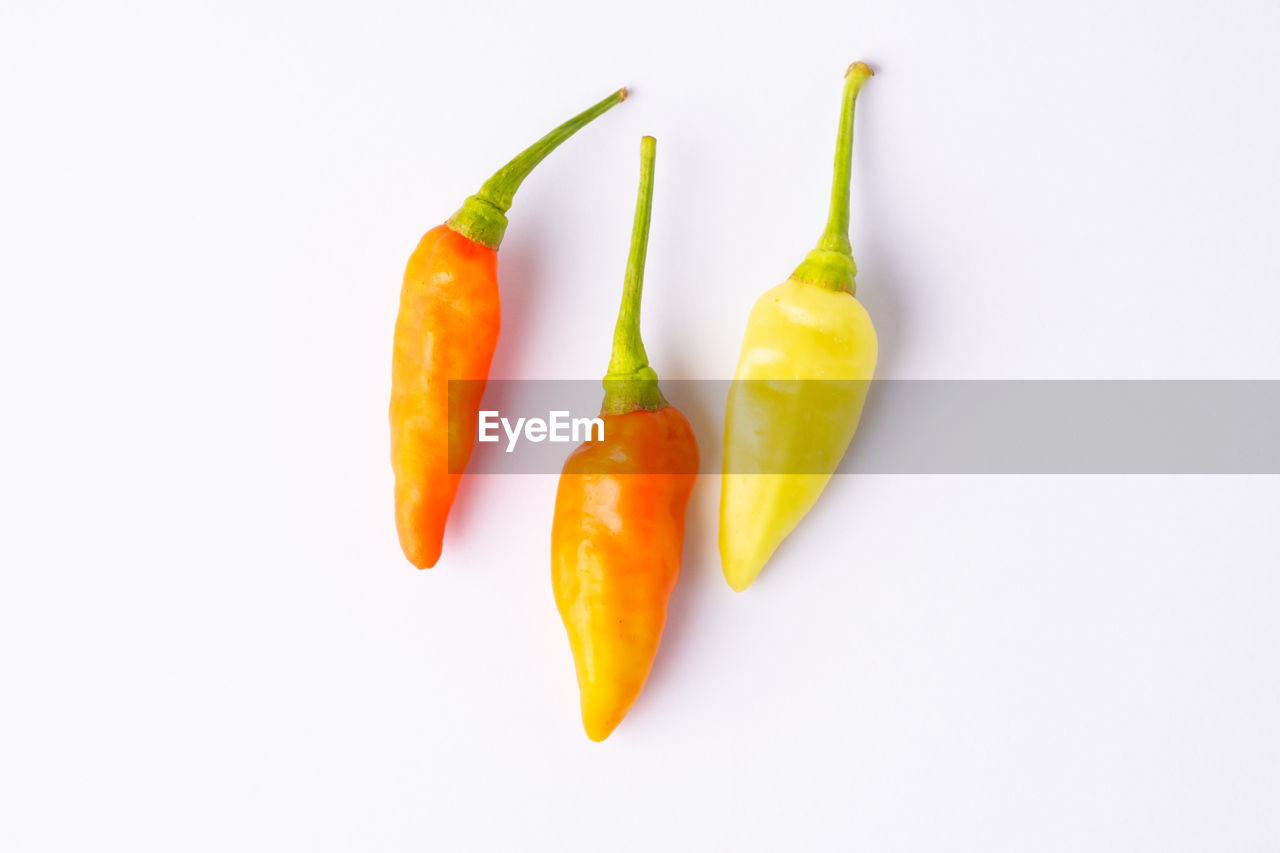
832, 270
480, 221
634, 391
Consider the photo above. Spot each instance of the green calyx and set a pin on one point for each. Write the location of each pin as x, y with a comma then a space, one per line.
631, 384
483, 216
480, 221
830, 264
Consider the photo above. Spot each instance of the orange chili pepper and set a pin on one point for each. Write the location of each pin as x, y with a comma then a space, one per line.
446, 330
619, 520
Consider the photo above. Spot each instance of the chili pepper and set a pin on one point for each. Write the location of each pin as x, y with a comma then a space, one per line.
807, 358
618, 528
446, 330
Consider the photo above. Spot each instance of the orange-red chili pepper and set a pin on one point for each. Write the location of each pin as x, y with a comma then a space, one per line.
619, 520
447, 329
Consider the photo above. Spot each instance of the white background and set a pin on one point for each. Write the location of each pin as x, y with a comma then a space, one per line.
208, 637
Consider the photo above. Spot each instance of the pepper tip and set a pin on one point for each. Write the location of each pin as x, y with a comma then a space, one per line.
422, 553
598, 728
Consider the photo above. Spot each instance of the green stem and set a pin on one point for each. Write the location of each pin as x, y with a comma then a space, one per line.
631, 384
482, 217
831, 263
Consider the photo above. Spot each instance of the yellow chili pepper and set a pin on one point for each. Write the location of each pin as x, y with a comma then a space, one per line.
807, 358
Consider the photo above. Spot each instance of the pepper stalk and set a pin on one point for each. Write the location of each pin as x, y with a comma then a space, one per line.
830, 264
482, 217
631, 384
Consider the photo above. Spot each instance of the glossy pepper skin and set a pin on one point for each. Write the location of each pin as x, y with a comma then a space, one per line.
807, 359
618, 528
447, 329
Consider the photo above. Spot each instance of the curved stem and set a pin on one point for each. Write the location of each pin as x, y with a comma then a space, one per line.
630, 383
482, 217
500, 189
830, 264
